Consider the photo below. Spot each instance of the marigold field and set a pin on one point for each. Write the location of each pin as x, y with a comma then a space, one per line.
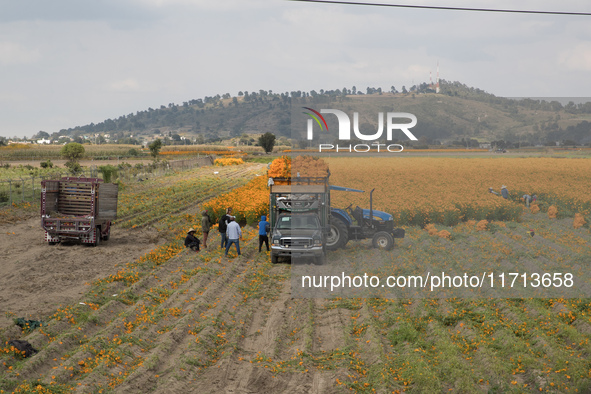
178, 321
418, 191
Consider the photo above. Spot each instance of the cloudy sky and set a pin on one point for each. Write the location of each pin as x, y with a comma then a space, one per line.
65, 63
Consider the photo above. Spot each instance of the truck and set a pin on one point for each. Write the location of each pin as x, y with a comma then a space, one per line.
303, 222
299, 210
76, 208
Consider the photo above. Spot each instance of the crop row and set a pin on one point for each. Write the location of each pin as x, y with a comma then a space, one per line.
150, 200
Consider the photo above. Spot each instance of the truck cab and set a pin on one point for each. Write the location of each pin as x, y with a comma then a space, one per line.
297, 235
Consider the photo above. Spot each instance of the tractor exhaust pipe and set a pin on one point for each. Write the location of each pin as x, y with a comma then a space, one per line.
371, 207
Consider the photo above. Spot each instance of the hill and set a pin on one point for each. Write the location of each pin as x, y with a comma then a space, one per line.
459, 113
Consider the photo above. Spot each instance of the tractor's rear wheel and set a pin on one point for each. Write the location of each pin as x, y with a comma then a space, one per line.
383, 240
338, 236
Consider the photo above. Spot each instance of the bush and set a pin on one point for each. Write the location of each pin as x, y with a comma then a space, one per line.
72, 151
46, 164
133, 152
109, 173
74, 167
451, 218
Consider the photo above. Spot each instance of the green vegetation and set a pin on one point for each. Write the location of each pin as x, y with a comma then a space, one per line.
267, 141
155, 147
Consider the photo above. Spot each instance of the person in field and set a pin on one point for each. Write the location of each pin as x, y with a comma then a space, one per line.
191, 241
205, 226
233, 233
504, 192
223, 226
263, 232
527, 198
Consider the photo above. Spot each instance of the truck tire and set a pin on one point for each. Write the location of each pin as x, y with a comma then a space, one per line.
274, 258
338, 236
97, 236
382, 240
320, 260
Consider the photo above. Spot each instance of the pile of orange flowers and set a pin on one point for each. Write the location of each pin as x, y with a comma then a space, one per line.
280, 167
228, 162
304, 166
309, 166
432, 230
579, 221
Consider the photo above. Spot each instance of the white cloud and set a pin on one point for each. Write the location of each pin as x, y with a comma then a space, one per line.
577, 58
12, 53
106, 58
125, 85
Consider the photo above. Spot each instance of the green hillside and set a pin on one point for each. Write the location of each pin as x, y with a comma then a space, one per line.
458, 113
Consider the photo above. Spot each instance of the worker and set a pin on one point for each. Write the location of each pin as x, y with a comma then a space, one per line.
223, 226
504, 192
205, 226
263, 231
527, 198
233, 234
191, 241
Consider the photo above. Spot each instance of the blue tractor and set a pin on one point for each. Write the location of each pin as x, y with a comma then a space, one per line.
358, 223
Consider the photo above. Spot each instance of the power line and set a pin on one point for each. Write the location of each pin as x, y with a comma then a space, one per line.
429, 7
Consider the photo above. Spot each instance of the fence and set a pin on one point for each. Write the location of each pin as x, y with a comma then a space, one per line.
28, 188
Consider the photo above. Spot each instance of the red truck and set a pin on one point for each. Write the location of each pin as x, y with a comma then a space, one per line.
78, 208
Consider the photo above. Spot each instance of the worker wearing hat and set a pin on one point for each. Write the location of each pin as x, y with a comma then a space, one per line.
504, 192
191, 241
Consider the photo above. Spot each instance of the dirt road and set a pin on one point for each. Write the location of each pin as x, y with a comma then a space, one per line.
37, 278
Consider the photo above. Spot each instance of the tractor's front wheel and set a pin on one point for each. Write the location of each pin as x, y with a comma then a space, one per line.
338, 236
383, 240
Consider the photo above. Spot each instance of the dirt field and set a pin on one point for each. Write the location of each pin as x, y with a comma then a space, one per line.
38, 278
179, 321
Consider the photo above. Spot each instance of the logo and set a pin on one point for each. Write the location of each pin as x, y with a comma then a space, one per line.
310, 135
345, 129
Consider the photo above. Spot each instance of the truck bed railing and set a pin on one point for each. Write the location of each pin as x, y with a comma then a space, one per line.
301, 181
293, 205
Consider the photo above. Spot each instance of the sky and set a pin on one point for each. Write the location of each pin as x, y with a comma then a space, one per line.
68, 63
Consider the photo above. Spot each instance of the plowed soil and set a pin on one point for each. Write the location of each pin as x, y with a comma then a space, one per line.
37, 278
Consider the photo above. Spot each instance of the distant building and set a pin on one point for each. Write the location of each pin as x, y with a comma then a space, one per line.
43, 141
